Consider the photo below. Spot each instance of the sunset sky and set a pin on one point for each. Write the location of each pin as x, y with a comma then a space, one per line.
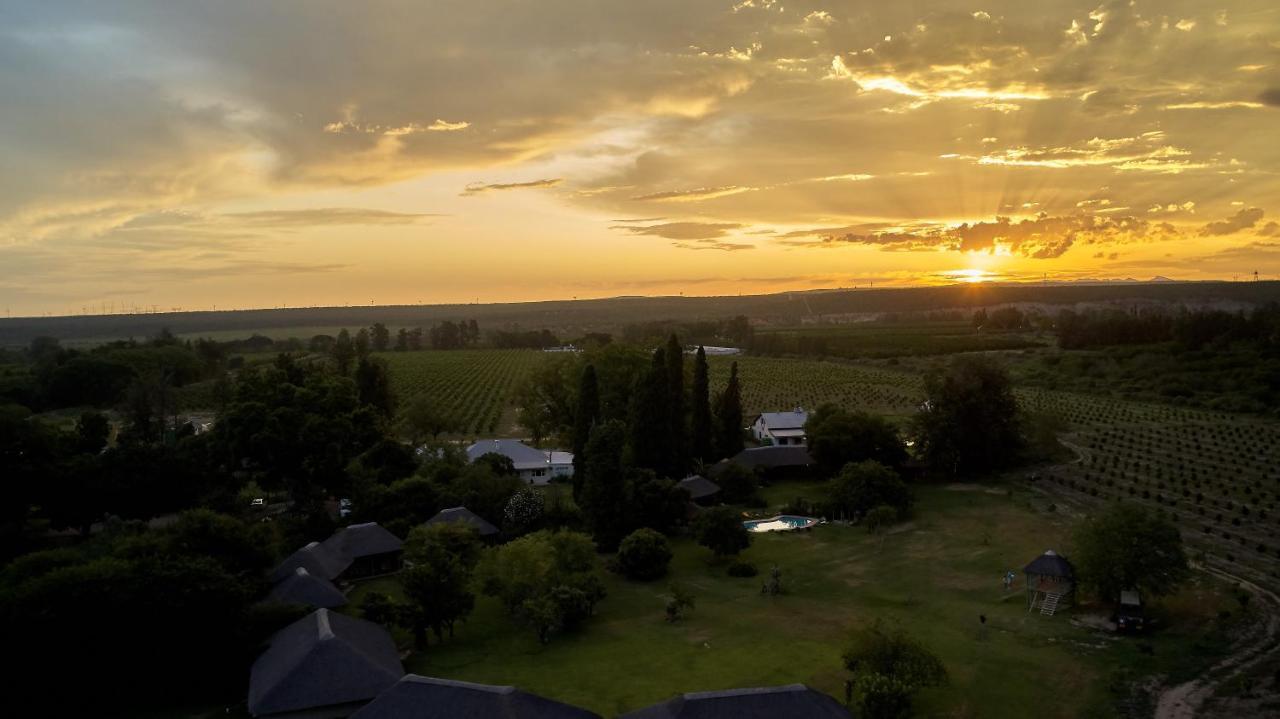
264, 153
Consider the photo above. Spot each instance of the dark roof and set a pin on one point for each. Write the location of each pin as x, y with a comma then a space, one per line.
1050, 564
330, 558
465, 516
698, 486
792, 700
416, 697
323, 659
303, 587
318, 559
362, 540
782, 455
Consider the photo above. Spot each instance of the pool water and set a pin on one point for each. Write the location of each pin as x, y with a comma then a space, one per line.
782, 523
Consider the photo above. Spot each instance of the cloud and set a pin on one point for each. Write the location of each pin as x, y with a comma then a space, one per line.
325, 216
1270, 97
476, 189
1271, 229
1146, 152
1041, 237
1242, 220
693, 195
713, 245
682, 230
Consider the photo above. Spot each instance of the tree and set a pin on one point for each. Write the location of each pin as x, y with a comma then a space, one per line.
888, 666
678, 602
649, 419
721, 531
837, 436
373, 384
644, 555
677, 429
737, 483
402, 340
700, 434
969, 422
584, 418
92, 431
548, 581
728, 440
524, 511
441, 558
379, 337
361, 343
863, 486
423, 420
1129, 547
603, 496
343, 352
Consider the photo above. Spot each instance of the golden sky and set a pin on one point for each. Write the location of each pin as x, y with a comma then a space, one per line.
244, 153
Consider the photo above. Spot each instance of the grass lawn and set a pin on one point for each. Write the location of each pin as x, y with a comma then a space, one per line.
934, 575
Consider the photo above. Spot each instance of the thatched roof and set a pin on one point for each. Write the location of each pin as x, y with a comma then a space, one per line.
324, 659
330, 558
774, 456
464, 516
418, 697
1050, 564
305, 588
699, 487
792, 700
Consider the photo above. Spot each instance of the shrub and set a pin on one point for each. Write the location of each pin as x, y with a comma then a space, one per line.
721, 531
644, 554
742, 569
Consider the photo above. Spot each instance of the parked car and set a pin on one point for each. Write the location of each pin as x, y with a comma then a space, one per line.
1129, 616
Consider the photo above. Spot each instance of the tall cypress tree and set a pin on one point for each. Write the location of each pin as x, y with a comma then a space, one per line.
604, 486
701, 399
678, 447
586, 415
649, 418
729, 417
343, 352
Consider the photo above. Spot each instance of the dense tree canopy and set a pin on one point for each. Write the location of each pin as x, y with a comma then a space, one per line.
970, 421
837, 436
1128, 546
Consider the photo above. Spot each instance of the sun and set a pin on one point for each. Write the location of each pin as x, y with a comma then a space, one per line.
971, 275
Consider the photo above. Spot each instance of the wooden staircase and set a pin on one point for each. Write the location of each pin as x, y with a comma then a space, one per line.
1050, 604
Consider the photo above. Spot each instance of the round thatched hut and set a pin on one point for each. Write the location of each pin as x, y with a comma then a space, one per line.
1051, 582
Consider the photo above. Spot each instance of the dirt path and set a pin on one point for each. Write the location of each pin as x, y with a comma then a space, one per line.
1184, 700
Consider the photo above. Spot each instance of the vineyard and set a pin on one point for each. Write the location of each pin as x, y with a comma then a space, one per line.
475, 388
772, 384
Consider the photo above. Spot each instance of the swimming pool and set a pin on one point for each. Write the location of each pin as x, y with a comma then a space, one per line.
781, 523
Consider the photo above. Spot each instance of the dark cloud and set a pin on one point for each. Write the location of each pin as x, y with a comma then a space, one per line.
476, 189
1242, 220
683, 230
1271, 229
1042, 237
1270, 96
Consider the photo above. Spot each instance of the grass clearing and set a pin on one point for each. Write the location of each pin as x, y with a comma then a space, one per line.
936, 577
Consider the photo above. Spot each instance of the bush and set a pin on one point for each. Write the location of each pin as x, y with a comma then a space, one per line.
721, 531
742, 569
644, 554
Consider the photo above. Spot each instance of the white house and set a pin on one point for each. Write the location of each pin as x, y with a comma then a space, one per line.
535, 466
780, 428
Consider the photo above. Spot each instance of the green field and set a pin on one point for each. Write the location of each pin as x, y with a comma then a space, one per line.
873, 340
934, 575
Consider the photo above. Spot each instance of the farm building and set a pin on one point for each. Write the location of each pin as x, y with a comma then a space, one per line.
307, 589
780, 428
321, 666
700, 489
1050, 582
354, 552
534, 466
462, 515
418, 697
792, 700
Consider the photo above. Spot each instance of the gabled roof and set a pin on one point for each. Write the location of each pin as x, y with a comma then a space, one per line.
362, 540
790, 455
1050, 564
784, 420
521, 455
318, 559
699, 487
417, 697
465, 516
323, 659
303, 587
792, 700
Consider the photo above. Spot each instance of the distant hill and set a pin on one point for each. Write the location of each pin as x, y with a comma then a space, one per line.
572, 317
